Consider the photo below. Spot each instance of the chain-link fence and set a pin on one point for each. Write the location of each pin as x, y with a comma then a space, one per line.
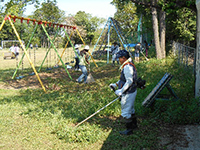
185, 54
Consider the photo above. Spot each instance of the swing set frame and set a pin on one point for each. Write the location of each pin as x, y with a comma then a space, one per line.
43, 24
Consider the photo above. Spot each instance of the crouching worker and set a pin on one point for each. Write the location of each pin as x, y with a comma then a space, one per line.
83, 61
127, 89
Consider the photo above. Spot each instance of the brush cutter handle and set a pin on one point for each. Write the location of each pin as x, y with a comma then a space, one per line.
112, 88
96, 112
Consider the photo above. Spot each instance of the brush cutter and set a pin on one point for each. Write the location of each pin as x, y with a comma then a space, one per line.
98, 110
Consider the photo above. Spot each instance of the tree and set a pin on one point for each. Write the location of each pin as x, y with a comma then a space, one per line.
50, 12
88, 23
128, 20
16, 7
160, 49
163, 7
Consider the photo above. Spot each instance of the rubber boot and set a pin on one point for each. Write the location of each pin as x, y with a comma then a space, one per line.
128, 130
113, 63
130, 125
134, 121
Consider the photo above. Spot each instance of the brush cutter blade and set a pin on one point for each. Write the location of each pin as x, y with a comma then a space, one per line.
90, 78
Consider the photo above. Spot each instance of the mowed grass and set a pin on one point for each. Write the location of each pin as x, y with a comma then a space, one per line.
32, 119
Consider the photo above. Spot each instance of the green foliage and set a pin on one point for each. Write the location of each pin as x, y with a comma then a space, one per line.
89, 23
128, 22
180, 20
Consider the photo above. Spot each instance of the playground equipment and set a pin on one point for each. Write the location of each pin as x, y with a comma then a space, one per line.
112, 23
36, 23
16, 33
43, 24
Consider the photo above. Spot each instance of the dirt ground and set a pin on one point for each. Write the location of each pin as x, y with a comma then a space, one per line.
180, 137
31, 82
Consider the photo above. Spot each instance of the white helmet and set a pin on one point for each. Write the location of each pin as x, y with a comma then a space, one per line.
76, 46
87, 47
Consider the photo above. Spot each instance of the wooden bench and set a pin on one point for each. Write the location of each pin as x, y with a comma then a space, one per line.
10, 54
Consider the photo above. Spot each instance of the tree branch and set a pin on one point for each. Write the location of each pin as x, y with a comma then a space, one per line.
147, 4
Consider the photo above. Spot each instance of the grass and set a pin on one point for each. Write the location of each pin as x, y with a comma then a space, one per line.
32, 119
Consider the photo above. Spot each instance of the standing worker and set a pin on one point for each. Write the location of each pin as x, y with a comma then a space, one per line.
83, 61
31, 45
146, 47
137, 52
77, 54
114, 50
12, 49
127, 89
16, 51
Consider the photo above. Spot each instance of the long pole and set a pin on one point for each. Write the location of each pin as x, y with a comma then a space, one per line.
100, 35
97, 112
2, 24
108, 42
24, 53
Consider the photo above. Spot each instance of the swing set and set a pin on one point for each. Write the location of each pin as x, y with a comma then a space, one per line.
43, 24
111, 23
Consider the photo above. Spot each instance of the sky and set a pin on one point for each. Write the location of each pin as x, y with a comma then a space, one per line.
98, 8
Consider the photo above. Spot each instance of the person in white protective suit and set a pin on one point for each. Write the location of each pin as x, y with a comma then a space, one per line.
114, 49
127, 89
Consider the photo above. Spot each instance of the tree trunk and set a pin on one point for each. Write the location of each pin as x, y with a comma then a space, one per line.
156, 33
162, 33
197, 57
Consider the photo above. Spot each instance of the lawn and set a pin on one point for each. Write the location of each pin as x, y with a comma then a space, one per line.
32, 119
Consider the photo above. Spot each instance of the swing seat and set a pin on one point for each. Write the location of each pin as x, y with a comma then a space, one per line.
56, 66
32, 73
20, 77
49, 69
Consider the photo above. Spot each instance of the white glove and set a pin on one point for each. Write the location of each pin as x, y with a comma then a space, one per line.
112, 85
118, 92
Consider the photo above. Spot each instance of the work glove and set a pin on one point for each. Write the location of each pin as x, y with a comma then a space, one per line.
113, 85
118, 92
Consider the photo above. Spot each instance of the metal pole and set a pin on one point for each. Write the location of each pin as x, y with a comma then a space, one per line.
56, 51
27, 46
96, 112
108, 41
2, 24
121, 39
100, 35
